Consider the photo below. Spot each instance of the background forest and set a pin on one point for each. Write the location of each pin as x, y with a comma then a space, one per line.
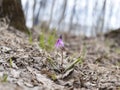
86, 17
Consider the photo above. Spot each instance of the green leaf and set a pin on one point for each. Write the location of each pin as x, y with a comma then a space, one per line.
30, 39
51, 41
79, 60
49, 59
42, 41
11, 62
5, 76
53, 77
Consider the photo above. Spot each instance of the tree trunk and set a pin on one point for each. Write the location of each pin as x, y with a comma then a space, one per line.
62, 13
13, 10
72, 16
51, 12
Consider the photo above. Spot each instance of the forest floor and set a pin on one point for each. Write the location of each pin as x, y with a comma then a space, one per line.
25, 66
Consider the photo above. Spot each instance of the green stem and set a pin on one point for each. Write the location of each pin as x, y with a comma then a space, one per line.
62, 58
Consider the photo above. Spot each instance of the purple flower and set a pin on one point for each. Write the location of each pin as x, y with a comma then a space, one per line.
59, 43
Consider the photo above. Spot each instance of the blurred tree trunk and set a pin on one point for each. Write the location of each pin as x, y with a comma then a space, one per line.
36, 13
101, 19
26, 8
103, 16
62, 13
13, 10
85, 27
72, 16
110, 10
51, 12
93, 28
34, 16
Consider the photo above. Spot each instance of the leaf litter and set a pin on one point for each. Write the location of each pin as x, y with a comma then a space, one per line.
26, 66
